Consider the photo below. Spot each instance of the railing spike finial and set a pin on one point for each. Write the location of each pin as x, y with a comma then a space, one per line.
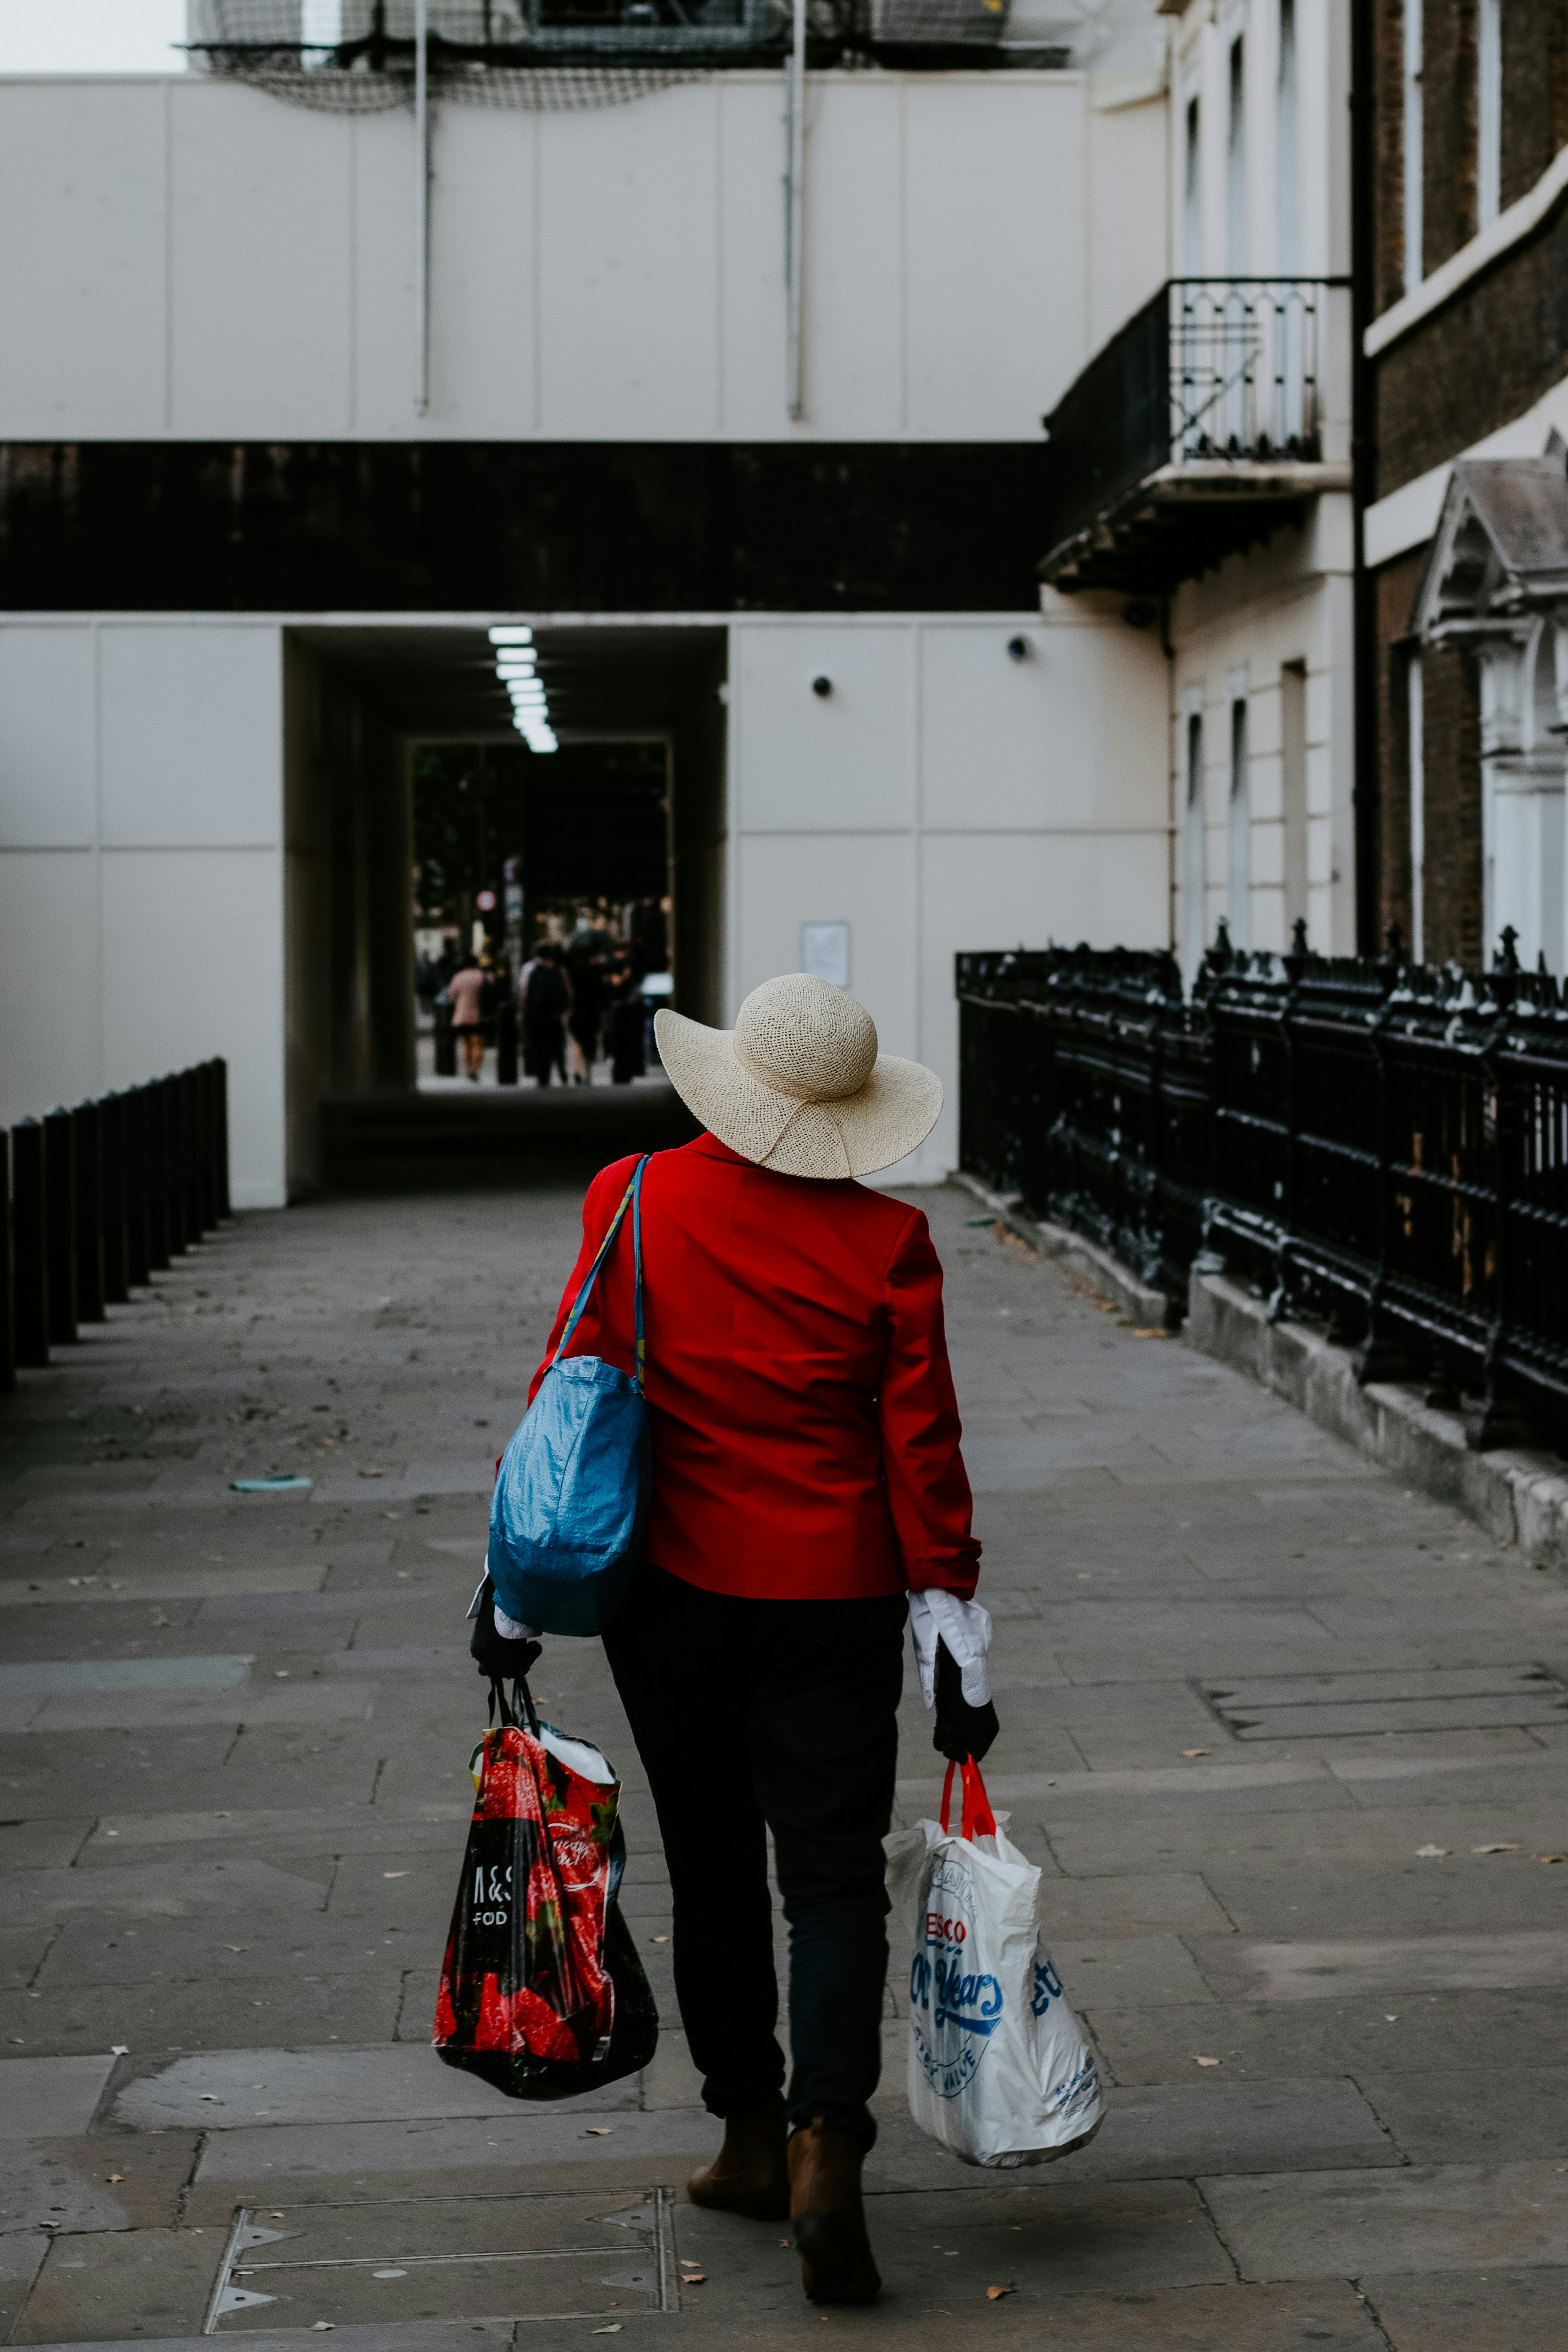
1506, 958
1222, 955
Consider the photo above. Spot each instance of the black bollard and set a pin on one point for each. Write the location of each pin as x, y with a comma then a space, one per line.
506, 1041
7, 1328
154, 1128
220, 1144
29, 1244
174, 1166
59, 1225
196, 1219
133, 1130
206, 1163
86, 1157
112, 1176
445, 1044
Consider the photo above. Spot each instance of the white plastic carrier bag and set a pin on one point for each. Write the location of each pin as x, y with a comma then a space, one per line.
999, 2070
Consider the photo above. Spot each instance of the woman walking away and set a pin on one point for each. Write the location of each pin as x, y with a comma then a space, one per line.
808, 1496
467, 990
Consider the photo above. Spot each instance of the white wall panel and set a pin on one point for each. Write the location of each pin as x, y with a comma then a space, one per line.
483, 297
1062, 739
82, 257
865, 880
193, 949
192, 734
853, 335
751, 261
47, 738
381, 373
995, 254
48, 981
628, 269
261, 249
804, 762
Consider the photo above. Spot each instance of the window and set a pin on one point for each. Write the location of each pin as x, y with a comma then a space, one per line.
1192, 199
1287, 161
1415, 231
1193, 852
1239, 833
1488, 113
1293, 790
1416, 761
1235, 164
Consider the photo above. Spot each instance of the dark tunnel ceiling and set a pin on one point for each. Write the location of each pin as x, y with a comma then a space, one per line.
440, 683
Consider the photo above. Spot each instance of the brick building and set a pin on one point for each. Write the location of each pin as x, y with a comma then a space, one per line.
1466, 538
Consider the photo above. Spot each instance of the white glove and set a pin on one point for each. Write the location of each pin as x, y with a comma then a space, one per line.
936, 1616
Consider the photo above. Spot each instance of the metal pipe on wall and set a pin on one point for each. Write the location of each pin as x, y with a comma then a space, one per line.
421, 208
795, 214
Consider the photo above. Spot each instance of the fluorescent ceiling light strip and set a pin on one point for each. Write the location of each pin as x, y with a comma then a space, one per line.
511, 636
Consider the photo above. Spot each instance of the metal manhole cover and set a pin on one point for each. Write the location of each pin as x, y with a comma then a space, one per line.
434, 2258
1427, 1698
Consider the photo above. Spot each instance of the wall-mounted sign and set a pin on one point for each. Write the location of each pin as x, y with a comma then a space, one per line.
825, 952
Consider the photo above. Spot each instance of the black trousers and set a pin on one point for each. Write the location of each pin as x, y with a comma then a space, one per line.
752, 1716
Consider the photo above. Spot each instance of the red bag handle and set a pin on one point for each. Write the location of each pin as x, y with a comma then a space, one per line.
976, 1819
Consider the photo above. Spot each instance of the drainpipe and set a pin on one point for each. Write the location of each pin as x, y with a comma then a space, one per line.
1172, 772
1363, 483
795, 214
421, 208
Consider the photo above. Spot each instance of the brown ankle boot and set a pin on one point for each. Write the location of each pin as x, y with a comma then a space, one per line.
829, 2220
749, 2175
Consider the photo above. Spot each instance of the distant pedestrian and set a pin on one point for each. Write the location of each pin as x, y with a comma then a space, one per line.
587, 1013
624, 1015
546, 1004
467, 990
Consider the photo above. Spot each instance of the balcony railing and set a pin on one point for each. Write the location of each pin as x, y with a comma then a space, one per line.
1213, 373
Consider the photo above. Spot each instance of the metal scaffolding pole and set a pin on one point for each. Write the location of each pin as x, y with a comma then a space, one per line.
421, 208
795, 219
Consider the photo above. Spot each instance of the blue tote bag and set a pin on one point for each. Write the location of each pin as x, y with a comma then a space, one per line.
572, 1493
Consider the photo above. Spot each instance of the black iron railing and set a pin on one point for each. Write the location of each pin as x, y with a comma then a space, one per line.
99, 1198
1210, 369
1376, 1147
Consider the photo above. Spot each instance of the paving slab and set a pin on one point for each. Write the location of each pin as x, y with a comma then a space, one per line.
1487, 2112
151, 2282
398, 2082
1457, 2217
1264, 2039
1497, 2311
1239, 1970
40, 2095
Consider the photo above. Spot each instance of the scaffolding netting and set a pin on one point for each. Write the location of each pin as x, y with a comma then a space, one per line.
354, 56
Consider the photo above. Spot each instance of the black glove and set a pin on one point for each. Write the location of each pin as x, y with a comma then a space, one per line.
961, 1729
499, 1660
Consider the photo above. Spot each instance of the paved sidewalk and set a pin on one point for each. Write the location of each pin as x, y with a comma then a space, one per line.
1288, 1741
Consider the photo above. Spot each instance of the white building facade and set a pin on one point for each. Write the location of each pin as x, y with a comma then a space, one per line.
1225, 521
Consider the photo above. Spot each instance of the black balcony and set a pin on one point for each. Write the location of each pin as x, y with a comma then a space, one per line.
1195, 433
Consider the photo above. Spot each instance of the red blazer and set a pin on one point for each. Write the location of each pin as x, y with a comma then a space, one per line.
806, 1436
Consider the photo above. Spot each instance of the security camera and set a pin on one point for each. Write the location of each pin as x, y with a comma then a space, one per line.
1018, 649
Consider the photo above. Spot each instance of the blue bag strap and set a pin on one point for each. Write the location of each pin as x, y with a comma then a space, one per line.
631, 1197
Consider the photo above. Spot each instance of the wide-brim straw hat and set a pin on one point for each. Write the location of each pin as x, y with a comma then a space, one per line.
798, 1085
